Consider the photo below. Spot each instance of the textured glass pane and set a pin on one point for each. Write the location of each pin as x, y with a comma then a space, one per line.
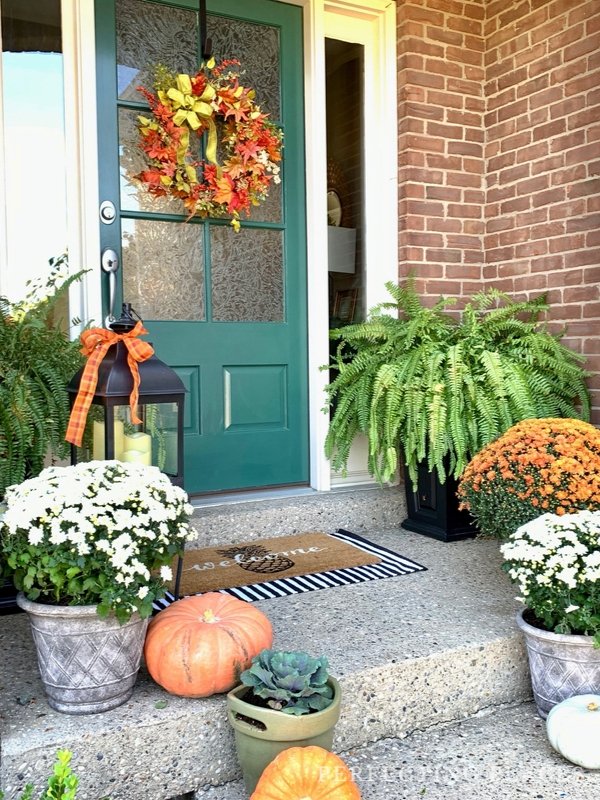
163, 269
247, 275
150, 34
256, 47
132, 160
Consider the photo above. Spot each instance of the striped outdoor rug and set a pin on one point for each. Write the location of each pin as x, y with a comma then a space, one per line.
391, 565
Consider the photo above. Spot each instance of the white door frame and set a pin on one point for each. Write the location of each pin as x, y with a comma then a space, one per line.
371, 23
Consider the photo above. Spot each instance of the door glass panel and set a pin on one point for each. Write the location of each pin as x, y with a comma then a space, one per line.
247, 275
163, 269
256, 47
31, 104
149, 34
132, 160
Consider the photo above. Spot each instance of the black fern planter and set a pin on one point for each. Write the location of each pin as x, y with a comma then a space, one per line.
433, 508
8, 597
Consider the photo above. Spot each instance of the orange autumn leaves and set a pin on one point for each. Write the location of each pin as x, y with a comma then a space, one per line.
537, 466
242, 148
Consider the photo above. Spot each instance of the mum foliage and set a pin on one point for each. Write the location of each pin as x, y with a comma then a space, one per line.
538, 465
440, 385
211, 103
555, 561
98, 533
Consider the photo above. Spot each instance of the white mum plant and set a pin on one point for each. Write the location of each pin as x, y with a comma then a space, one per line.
98, 533
555, 561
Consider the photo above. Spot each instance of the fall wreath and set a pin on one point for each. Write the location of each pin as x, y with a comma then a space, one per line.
183, 109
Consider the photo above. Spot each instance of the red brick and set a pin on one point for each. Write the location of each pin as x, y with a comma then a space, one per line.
567, 106
516, 141
580, 294
444, 99
583, 223
444, 67
464, 56
573, 208
445, 131
581, 258
592, 310
548, 197
425, 15
531, 56
473, 165
543, 65
417, 78
529, 249
532, 217
579, 154
444, 193
512, 110
464, 179
516, 236
498, 193
513, 78
580, 47
584, 188
549, 130
444, 225
501, 100
533, 85
533, 20
587, 117
500, 224
465, 149
514, 173
426, 240
461, 117
465, 25
464, 87
592, 238
565, 243
427, 144
464, 210
444, 256
565, 37
581, 84
445, 36
568, 141
546, 97
418, 45
518, 204
504, 160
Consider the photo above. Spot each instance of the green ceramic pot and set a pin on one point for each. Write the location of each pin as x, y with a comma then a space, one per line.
262, 733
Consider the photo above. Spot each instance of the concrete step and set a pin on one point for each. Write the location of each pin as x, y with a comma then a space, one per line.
411, 651
504, 754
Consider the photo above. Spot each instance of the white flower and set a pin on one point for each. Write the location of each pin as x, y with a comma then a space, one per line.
142, 592
570, 609
166, 573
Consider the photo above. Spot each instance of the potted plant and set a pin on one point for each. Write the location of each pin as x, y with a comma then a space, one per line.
37, 360
286, 699
440, 385
537, 466
90, 547
555, 562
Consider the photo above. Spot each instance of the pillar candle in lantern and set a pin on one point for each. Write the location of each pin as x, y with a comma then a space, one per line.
98, 447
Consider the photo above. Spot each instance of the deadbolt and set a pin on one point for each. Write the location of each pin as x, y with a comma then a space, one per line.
108, 212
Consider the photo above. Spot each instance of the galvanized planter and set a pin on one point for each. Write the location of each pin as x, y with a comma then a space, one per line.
561, 666
262, 733
87, 664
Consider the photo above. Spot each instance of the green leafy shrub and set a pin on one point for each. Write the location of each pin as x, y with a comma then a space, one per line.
292, 682
37, 360
62, 784
442, 385
537, 466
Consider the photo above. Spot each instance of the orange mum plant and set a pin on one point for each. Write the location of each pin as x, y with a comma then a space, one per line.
537, 466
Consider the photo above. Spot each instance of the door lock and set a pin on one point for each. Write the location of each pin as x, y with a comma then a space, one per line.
110, 264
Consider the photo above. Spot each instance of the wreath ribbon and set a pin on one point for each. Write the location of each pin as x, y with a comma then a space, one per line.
95, 344
194, 111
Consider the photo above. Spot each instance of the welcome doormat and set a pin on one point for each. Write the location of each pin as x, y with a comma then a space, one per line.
212, 568
384, 563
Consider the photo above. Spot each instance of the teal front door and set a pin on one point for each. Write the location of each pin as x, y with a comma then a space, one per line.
226, 310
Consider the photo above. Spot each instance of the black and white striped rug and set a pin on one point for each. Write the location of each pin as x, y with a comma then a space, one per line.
391, 566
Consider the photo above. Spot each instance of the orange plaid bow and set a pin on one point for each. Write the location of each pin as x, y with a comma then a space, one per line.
95, 343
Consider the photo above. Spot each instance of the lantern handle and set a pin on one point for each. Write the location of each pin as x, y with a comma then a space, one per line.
110, 264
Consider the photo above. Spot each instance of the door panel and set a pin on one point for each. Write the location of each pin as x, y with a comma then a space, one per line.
226, 310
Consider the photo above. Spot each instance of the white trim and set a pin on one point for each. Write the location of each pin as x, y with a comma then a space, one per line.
371, 23
78, 32
3, 219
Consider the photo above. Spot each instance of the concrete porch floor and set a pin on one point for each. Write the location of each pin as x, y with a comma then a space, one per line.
411, 652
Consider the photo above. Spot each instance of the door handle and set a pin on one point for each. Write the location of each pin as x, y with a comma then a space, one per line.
110, 264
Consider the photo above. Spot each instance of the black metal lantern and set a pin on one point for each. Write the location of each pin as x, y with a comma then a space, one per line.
158, 439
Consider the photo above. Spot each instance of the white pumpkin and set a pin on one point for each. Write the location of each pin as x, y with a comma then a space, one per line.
573, 728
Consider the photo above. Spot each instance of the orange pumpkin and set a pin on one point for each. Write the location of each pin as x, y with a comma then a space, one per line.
306, 773
199, 645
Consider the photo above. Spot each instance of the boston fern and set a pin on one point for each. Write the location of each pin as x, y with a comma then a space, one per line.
36, 362
441, 385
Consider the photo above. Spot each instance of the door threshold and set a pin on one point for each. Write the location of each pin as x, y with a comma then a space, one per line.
283, 493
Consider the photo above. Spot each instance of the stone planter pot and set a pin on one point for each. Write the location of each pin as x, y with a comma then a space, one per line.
561, 666
87, 664
263, 733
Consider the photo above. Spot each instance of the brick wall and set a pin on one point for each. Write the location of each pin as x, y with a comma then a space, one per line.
441, 144
542, 126
529, 71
